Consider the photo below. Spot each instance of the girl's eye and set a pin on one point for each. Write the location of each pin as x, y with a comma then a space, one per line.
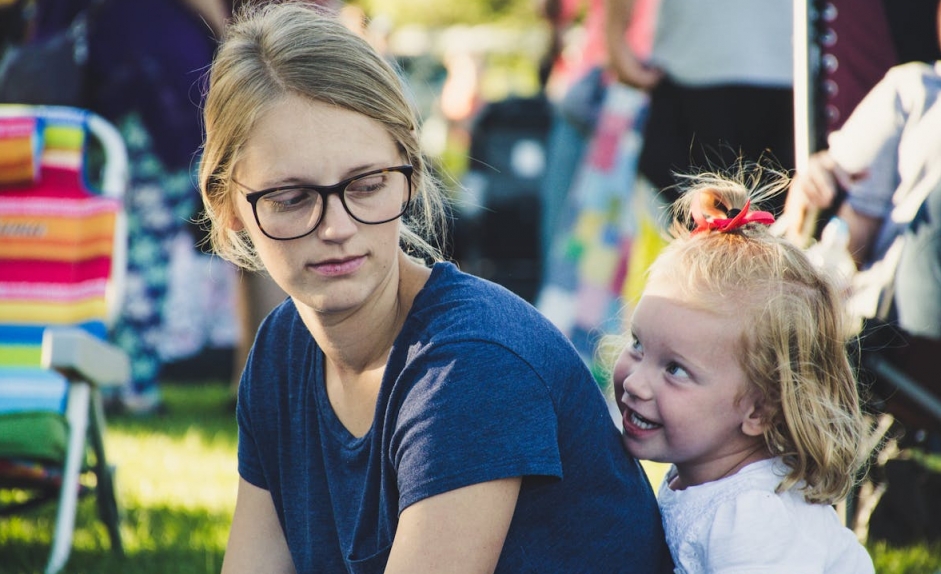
635, 345
676, 370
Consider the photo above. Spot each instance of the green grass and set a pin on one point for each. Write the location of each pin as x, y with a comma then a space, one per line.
913, 560
176, 485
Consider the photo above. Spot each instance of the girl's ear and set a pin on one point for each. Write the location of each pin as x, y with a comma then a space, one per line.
757, 419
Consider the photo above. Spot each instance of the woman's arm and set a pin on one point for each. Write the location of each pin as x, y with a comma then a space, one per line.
460, 531
863, 231
627, 68
812, 190
256, 540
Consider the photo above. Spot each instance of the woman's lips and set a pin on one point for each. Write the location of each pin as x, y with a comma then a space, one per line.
339, 267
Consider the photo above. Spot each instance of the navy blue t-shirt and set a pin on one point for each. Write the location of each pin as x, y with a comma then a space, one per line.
478, 387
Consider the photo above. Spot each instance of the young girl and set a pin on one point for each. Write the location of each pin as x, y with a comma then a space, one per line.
735, 372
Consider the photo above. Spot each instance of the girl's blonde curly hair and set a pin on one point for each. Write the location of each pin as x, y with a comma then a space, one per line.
793, 349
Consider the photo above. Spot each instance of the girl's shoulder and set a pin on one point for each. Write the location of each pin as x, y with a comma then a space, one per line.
693, 512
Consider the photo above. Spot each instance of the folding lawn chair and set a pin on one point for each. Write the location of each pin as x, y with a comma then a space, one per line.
62, 261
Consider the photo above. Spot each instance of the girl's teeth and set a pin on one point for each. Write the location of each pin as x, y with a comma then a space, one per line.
642, 423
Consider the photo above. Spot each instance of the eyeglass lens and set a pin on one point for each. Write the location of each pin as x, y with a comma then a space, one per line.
373, 198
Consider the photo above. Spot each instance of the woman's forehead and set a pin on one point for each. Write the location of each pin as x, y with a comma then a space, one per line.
302, 138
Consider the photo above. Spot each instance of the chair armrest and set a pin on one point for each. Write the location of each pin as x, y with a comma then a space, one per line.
79, 355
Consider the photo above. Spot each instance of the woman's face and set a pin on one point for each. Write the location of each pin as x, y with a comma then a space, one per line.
343, 264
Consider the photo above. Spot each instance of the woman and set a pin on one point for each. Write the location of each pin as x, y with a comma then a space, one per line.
392, 417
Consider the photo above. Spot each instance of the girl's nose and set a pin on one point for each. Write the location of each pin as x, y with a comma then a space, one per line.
635, 385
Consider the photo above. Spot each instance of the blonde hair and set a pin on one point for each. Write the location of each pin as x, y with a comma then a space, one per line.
793, 349
271, 50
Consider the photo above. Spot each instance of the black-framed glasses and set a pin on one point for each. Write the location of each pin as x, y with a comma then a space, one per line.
293, 211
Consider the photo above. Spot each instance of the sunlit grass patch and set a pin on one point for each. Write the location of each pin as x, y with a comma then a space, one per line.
920, 559
176, 484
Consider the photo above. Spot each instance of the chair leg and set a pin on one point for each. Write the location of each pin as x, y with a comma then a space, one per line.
77, 415
105, 489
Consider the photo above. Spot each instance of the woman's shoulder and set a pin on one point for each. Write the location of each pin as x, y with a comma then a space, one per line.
282, 331
916, 83
448, 281
456, 308
455, 301
283, 316
910, 71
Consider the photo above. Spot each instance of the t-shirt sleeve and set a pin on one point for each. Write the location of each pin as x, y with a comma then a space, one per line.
754, 532
476, 412
868, 143
249, 463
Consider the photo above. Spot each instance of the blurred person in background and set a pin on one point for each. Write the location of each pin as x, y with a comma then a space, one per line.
145, 61
575, 78
881, 172
720, 79
15, 22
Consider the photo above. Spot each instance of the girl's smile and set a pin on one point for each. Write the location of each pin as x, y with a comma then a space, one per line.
636, 425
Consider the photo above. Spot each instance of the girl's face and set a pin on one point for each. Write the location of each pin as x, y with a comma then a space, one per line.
342, 264
681, 388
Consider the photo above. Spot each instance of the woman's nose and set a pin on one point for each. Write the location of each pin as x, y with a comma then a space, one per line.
337, 223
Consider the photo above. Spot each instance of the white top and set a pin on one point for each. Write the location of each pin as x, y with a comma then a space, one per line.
713, 42
738, 524
894, 136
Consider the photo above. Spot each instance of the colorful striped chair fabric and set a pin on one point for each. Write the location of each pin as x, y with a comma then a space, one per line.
61, 268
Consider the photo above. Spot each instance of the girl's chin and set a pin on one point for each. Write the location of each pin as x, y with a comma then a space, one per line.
635, 449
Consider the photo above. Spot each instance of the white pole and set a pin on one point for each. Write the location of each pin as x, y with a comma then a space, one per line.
802, 85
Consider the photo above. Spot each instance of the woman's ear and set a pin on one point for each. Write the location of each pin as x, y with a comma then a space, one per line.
234, 221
